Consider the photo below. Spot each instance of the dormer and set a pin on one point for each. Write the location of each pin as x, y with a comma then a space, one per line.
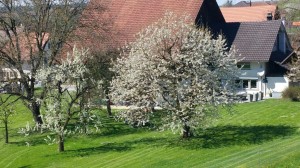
269, 16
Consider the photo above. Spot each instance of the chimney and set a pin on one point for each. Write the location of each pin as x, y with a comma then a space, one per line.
283, 21
270, 16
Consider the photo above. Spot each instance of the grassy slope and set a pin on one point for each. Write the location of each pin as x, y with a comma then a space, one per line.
263, 134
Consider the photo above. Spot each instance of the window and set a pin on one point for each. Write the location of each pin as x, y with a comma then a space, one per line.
249, 84
244, 65
245, 84
238, 83
253, 84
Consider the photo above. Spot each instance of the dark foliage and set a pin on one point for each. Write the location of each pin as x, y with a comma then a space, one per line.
292, 93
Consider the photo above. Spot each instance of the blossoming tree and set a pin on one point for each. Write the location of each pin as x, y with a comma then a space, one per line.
68, 104
179, 67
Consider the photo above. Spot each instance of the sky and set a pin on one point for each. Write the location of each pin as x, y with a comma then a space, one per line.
221, 2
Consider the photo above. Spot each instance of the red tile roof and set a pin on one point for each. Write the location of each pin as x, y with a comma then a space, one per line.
296, 23
247, 14
131, 16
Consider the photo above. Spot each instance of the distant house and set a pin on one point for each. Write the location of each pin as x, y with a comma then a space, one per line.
250, 14
27, 44
265, 51
254, 3
262, 45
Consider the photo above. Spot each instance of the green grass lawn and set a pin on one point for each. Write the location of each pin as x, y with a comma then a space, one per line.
261, 134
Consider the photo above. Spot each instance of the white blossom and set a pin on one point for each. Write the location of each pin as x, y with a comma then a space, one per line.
63, 104
179, 67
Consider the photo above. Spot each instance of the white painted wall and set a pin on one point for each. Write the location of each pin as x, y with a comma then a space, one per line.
277, 84
256, 67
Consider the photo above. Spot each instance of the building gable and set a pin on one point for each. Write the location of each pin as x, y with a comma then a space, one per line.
209, 14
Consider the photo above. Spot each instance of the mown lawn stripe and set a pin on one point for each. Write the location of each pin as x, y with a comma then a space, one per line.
276, 153
12, 157
249, 152
233, 142
17, 156
119, 158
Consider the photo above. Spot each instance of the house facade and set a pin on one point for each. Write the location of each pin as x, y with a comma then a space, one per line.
265, 53
255, 79
264, 49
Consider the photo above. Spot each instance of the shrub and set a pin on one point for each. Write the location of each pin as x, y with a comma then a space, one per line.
292, 93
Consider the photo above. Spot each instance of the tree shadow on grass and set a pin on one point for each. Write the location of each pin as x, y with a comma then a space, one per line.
120, 129
215, 137
26, 166
103, 148
223, 136
34, 141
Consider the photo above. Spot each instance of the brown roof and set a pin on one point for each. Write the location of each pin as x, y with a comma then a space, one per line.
254, 41
128, 17
248, 14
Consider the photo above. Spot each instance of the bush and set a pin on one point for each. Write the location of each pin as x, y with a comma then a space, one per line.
292, 93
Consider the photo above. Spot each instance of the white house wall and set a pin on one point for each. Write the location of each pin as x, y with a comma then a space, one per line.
253, 74
276, 85
255, 68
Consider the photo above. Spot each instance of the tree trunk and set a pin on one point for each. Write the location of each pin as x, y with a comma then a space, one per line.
36, 113
186, 132
108, 106
6, 132
153, 108
61, 145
